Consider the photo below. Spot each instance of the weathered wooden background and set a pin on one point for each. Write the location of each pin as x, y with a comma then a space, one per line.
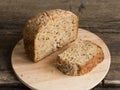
99, 16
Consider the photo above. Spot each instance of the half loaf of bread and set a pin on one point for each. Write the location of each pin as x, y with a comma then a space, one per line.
80, 58
48, 31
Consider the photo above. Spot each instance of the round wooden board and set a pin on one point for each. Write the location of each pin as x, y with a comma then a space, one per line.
44, 75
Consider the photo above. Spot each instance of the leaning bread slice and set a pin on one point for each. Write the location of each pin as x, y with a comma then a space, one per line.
80, 58
48, 31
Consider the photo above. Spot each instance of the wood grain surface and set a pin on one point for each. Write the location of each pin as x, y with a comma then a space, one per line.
99, 16
102, 14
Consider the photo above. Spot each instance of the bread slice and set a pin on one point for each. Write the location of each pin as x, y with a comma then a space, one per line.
48, 31
80, 58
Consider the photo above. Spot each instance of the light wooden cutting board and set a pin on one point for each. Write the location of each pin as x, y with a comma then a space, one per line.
45, 76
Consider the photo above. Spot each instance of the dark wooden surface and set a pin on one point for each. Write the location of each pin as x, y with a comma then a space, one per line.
99, 16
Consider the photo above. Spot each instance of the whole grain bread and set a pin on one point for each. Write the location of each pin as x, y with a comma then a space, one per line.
48, 31
80, 58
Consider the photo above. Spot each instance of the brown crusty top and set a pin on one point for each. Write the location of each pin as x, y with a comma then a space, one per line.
33, 25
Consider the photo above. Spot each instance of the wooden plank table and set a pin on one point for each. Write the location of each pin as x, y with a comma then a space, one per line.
101, 17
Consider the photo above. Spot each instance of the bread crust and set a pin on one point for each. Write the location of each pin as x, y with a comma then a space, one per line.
92, 63
35, 25
74, 69
77, 25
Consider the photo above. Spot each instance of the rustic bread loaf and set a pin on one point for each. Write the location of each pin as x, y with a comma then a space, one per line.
80, 58
48, 31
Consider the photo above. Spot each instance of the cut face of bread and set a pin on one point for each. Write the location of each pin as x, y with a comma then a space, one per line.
48, 31
80, 58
